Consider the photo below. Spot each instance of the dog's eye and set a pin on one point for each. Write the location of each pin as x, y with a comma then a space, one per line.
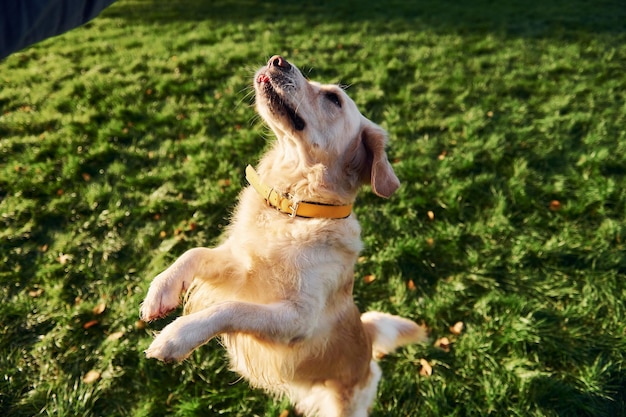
334, 98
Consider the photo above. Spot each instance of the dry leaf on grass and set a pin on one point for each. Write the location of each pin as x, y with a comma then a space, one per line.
444, 344
115, 336
99, 309
457, 328
369, 278
35, 293
90, 324
426, 369
555, 205
284, 413
223, 183
91, 377
63, 258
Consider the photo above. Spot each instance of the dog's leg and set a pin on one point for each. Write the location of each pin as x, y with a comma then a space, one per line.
364, 397
333, 399
283, 322
165, 290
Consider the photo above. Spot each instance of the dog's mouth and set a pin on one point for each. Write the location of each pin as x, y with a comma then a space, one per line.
270, 85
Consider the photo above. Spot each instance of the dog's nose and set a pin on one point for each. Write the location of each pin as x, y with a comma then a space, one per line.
278, 61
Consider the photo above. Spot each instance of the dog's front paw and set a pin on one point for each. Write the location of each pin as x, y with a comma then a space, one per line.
160, 300
168, 347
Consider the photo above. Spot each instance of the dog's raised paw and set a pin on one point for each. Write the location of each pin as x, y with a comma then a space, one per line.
158, 303
150, 311
166, 351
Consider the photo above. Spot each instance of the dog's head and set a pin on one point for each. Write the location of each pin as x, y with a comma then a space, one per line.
323, 125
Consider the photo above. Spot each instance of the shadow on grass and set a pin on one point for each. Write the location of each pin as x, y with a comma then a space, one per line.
564, 399
514, 18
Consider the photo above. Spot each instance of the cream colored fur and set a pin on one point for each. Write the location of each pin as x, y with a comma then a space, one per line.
278, 290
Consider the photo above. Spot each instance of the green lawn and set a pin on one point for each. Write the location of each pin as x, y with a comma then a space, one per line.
123, 143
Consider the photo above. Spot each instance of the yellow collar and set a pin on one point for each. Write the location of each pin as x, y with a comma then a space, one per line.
284, 203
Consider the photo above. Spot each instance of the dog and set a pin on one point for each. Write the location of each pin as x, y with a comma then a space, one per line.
278, 289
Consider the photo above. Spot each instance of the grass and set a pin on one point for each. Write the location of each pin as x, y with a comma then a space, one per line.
123, 143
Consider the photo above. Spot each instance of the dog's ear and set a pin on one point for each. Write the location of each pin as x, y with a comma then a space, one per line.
377, 170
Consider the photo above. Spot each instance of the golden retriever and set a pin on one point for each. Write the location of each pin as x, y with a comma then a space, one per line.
278, 290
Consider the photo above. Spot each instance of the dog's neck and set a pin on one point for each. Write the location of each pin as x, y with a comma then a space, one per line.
306, 180
285, 203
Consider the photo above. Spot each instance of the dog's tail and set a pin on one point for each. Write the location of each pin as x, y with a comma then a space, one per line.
389, 332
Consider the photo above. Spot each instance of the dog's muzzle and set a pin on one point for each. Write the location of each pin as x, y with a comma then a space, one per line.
276, 81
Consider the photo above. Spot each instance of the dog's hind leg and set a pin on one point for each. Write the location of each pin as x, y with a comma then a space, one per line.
364, 396
333, 399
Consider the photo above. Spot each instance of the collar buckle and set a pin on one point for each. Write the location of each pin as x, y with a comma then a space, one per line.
294, 209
